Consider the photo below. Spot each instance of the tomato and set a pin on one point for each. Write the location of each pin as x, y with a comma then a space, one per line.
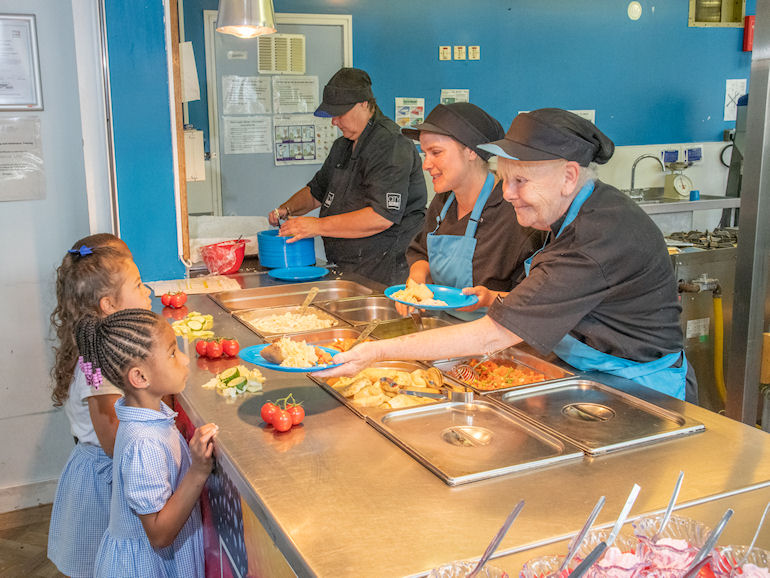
268, 412
297, 414
282, 420
201, 346
230, 347
165, 299
176, 300
213, 349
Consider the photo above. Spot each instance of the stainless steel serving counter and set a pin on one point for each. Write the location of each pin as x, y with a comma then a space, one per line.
339, 499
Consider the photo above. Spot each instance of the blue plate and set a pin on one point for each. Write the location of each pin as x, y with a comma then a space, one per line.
452, 296
253, 355
298, 273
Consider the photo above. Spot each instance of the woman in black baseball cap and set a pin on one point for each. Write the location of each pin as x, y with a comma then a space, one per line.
471, 237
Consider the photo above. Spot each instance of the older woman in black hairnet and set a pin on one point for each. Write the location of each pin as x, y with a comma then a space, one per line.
471, 236
600, 293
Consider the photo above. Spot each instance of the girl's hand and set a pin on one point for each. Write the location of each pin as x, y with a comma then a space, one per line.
202, 448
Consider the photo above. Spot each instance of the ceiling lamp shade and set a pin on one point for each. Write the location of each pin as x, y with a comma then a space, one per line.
245, 18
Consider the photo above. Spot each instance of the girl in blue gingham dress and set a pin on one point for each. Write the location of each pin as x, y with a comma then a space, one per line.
155, 522
97, 276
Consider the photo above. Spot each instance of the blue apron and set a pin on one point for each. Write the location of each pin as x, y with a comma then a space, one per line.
659, 374
451, 256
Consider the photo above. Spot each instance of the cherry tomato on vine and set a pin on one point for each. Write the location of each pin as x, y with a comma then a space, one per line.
268, 412
282, 420
201, 346
230, 347
166, 299
297, 414
213, 349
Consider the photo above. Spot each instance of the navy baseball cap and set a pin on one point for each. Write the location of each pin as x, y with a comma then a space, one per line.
550, 134
346, 88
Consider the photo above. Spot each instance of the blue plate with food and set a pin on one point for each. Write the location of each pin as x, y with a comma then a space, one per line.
299, 356
298, 273
428, 296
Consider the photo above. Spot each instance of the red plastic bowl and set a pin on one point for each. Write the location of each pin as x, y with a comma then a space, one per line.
225, 257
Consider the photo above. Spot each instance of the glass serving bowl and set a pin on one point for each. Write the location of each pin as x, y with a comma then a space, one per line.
621, 560
462, 568
724, 562
545, 567
669, 555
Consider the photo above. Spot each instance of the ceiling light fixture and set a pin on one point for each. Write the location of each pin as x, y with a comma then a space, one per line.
246, 18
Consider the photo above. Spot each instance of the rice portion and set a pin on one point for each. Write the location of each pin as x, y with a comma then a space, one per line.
290, 322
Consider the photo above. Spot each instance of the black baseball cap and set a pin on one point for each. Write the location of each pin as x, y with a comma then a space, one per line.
346, 88
464, 122
552, 133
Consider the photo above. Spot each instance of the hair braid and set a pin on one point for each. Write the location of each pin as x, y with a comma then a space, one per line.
112, 344
81, 282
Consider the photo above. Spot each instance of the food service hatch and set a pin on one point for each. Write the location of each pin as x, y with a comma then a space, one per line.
595, 417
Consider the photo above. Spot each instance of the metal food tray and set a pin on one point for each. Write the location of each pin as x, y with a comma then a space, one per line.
287, 294
326, 337
595, 417
364, 412
406, 325
512, 354
249, 317
362, 309
466, 442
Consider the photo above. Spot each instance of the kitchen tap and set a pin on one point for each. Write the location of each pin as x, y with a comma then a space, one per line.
633, 170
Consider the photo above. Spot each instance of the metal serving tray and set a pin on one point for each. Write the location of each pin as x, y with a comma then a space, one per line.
465, 442
249, 318
363, 309
287, 294
512, 356
406, 325
595, 417
364, 412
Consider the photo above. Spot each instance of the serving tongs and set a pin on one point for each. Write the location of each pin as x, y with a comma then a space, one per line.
599, 549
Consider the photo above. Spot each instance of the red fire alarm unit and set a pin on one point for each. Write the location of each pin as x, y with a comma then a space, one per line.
748, 33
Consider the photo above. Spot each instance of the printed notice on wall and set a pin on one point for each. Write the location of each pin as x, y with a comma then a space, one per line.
245, 95
247, 135
295, 94
450, 95
302, 139
734, 89
409, 111
22, 177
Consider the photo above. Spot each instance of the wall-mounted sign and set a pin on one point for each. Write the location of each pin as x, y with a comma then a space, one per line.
20, 87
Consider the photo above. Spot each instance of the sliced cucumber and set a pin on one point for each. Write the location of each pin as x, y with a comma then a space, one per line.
194, 325
229, 374
238, 383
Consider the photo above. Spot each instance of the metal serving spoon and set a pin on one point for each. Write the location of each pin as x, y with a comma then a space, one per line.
306, 303
371, 326
581, 535
670, 508
702, 556
754, 539
497, 539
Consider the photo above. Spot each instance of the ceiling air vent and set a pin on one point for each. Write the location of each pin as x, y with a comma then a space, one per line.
281, 54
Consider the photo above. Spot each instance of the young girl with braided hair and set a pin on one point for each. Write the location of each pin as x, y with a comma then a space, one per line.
96, 277
155, 521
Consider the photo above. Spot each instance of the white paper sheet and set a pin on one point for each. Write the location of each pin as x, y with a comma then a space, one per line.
208, 284
22, 175
295, 94
246, 95
190, 87
450, 95
409, 111
247, 135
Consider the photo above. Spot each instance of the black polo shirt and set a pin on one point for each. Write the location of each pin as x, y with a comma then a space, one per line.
607, 280
501, 243
383, 172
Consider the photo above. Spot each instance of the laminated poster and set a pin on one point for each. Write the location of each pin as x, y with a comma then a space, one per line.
302, 139
246, 95
451, 95
295, 94
247, 135
409, 111
22, 177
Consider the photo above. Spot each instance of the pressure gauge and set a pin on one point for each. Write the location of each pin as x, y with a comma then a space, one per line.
682, 185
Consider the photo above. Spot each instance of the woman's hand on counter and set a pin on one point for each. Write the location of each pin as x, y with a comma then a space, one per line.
486, 297
353, 361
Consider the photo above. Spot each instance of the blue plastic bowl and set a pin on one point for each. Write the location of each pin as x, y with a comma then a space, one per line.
275, 252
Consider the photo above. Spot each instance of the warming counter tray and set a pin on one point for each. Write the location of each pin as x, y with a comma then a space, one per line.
288, 294
595, 417
464, 442
362, 309
251, 317
458, 368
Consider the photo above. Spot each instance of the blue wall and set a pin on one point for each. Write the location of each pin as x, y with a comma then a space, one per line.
142, 126
654, 80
